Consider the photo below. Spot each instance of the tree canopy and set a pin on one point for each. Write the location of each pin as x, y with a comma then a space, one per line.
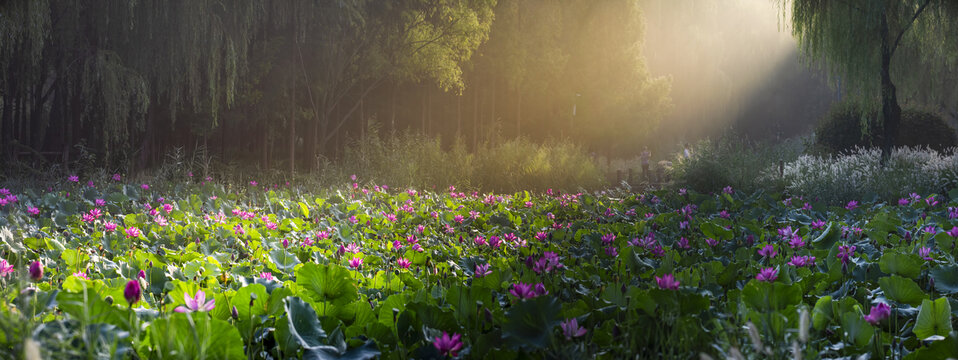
125, 82
883, 53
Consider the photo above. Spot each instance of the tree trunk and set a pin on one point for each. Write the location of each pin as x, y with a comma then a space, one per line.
292, 134
264, 147
6, 122
458, 116
518, 112
493, 118
392, 117
891, 111
475, 116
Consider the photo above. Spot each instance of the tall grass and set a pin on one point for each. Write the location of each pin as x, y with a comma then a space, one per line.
859, 174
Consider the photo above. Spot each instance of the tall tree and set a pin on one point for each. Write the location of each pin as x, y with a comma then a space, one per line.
874, 46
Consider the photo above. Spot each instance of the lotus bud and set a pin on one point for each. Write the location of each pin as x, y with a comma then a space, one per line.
234, 313
132, 292
36, 271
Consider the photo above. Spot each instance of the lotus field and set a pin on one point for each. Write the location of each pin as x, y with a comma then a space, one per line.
209, 270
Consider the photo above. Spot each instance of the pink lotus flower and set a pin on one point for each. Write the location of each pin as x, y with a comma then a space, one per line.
145, 186
33, 210
683, 243
132, 232
727, 190
458, 219
801, 261
110, 226
238, 230
768, 251
350, 248
953, 232
495, 242
852, 205
266, 275
925, 253
787, 232
571, 329
541, 236
526, 291
903, 201
796, 243
74, 178
88, 218
403, 263
397, 245
608, 239
480, 241
96, 213
667, 282
767, 274
117, 177
845, 252
878, 313
611, 251
355, 263
817, 224
5, 268
447, 345
482, 270
711, 242
196, 303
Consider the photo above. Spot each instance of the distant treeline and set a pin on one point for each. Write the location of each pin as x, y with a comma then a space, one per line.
289, 83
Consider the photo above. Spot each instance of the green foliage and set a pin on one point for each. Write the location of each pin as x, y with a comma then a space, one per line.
934, 318
412, 160
325, 305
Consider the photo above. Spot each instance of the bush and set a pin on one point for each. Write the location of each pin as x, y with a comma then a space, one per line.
841, 130
734, 162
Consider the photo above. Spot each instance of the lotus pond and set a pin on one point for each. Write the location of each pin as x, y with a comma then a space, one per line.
209, 270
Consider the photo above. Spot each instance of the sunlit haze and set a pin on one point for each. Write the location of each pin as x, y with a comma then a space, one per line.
732, 63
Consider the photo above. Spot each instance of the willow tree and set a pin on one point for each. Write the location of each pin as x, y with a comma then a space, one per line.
97, 71
873, 47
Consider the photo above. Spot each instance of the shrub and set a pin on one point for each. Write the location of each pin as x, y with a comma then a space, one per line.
734, 162
841, 130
